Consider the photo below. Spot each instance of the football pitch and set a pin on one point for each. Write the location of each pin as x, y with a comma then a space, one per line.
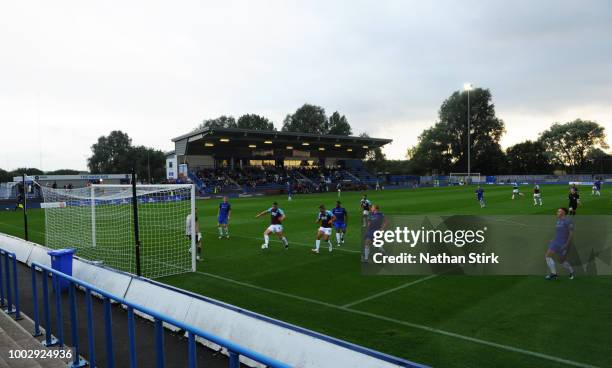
438, 320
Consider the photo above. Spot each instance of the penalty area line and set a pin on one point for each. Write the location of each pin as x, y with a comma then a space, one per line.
405, 323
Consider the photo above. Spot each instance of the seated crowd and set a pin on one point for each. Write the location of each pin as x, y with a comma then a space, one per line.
303, 179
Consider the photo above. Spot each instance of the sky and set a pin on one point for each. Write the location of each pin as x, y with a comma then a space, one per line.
72, 71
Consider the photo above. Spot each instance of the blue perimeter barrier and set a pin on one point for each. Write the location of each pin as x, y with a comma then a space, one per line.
234, 350
10, 282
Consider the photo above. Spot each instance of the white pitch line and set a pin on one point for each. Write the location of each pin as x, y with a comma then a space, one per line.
271, 291
477, 341
389, 291
408, 324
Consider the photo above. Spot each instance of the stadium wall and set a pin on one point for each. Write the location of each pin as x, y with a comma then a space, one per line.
195, 161
291, 344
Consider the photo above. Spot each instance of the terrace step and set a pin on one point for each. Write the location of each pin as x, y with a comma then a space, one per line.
304, 177
350, 174
3, 363
14, 337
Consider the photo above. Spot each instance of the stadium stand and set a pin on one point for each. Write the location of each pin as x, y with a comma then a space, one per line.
245, 161
272, 178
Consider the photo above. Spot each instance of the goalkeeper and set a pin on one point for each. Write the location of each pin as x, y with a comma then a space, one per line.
188, 233
19, 202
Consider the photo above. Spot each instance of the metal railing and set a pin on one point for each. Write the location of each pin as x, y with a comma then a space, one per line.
234, 350
199, 183
9, 287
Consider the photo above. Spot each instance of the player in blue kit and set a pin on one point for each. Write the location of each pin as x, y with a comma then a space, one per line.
325, 219
223, 217
480, 196
560, 245
596, 188
376, 221
340, 222
277, 216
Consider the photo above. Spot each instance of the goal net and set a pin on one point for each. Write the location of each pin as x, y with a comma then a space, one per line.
98, 221
464, 178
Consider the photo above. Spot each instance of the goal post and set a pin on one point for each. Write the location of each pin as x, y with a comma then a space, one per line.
464, 178
100, 222
92, 203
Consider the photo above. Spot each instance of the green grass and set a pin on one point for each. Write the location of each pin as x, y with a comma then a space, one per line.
445, 321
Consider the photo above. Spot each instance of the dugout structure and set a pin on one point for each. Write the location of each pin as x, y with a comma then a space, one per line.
132, 228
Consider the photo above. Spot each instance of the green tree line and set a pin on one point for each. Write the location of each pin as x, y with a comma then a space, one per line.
7, 176
306, 119
115, 154
573, 147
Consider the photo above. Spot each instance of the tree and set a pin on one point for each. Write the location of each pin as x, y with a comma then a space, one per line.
5, 177
339, 125
255, 122
111, 154
220, 122
433, 153
485, 130
115, 154
569, 143
598, 161
374, 157
444, 146
31, 171
307, 119
528, 157
401, 167
490, 158
150, 164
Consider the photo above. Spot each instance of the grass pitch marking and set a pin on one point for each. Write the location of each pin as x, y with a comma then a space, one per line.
417, 281
407, 324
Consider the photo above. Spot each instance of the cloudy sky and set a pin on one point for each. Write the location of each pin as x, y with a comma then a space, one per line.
71, 71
